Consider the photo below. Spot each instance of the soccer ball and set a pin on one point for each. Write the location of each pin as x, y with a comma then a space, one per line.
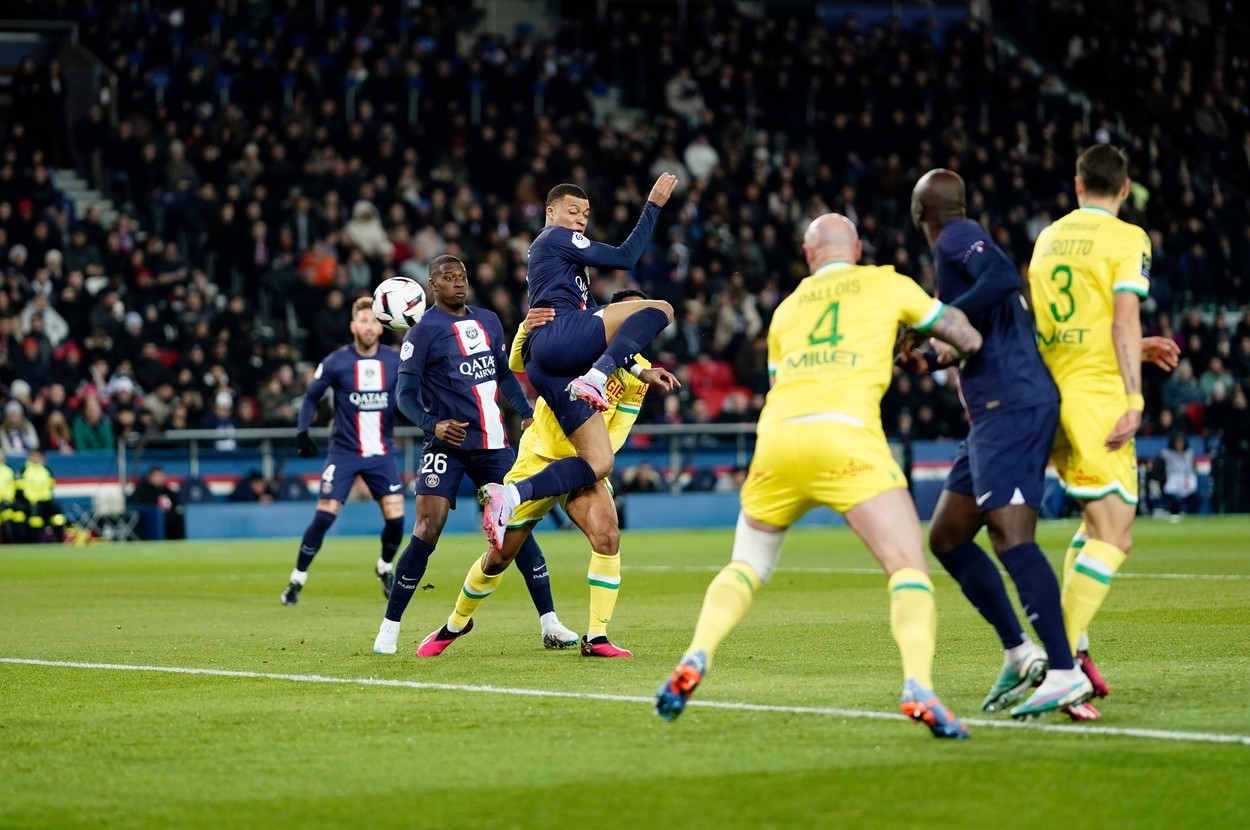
398, 303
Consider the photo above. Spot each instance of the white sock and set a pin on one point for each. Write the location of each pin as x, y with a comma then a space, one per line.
596, 377
452, 627
389, 626
512, 495
1011, 655
299, 577
549, 620
1082, 643
383, 566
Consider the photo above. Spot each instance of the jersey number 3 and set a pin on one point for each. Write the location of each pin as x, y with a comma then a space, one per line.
1066, 272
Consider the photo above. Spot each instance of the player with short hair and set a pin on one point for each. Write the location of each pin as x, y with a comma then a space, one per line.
592, 508
998, 475
569, 361
1087, 276
362, 375
820, 441
454, 365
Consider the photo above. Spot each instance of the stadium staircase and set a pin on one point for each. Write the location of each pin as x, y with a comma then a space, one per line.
79, 193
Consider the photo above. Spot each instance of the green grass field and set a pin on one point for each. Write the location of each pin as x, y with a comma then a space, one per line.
500, 733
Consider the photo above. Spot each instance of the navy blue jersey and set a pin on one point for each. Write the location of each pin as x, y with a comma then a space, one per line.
364, 394
457, 367
558, 258
1008, 370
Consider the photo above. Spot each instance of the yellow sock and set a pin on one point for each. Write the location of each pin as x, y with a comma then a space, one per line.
1074, 550
913, 622
1069, 560
1088, 585
477, 587
727, 601
604, 577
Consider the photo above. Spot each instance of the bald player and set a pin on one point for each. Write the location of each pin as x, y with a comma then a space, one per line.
830, 354
999, 472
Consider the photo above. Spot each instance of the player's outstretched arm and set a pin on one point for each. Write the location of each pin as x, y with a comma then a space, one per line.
598, 255
953, 327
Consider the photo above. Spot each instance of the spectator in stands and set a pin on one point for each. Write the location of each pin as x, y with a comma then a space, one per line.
642, 478
92, 430
1180, 477
253, 488
154, 491
222, 420
57, 436
18, 434
1181, 389
1215, 375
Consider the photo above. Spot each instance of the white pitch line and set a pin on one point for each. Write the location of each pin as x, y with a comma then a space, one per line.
877, 572
822, 711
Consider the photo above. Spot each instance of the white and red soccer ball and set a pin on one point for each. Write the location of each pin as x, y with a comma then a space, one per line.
398, 303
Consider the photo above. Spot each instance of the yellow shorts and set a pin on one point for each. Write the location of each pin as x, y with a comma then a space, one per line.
798, 466
533, 512
1086, 468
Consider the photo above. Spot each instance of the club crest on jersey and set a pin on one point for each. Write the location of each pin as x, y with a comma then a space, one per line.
580, 241
431, 480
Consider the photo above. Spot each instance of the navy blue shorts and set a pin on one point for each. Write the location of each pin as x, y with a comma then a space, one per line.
556, 353
1003, 460
442, 468
378, 471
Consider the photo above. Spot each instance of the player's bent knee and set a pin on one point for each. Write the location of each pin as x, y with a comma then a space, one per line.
758, 548
606, 542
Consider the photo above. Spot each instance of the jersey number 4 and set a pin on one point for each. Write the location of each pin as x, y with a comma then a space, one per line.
826, 332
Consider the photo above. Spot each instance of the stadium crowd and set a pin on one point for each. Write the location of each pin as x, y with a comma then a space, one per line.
269, 169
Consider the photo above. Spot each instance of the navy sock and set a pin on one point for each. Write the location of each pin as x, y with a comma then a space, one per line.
983, 586
408, 572
313, 535
531, 563
1039, 594
563, 475
392, 532
639, 329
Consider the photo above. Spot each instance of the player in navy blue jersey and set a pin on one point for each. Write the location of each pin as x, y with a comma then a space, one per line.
454, 367
569, 360
362, 375
998, 474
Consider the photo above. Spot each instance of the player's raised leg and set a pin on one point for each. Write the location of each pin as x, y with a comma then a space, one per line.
627, 327
889, 526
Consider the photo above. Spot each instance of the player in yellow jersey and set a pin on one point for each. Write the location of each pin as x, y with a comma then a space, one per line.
591, 508
1087, 277
831, 349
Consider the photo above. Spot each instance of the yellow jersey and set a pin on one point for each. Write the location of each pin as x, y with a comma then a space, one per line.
545, 438
1079, 264
831, 342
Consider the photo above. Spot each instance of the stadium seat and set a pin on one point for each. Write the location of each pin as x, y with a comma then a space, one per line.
195, 491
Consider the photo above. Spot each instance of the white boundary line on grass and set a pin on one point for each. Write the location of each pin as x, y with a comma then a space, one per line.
823, 711
877, 572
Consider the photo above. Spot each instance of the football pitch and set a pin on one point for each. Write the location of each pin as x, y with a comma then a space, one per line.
163, 685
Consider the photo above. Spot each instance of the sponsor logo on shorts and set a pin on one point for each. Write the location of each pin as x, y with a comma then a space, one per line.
432, 480
854, 468
1081, 479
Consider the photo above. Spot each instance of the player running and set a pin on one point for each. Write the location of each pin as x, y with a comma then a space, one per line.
569, 361
362, 375
591, 508
998, 474
1088, 274
820, 441
455, 364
